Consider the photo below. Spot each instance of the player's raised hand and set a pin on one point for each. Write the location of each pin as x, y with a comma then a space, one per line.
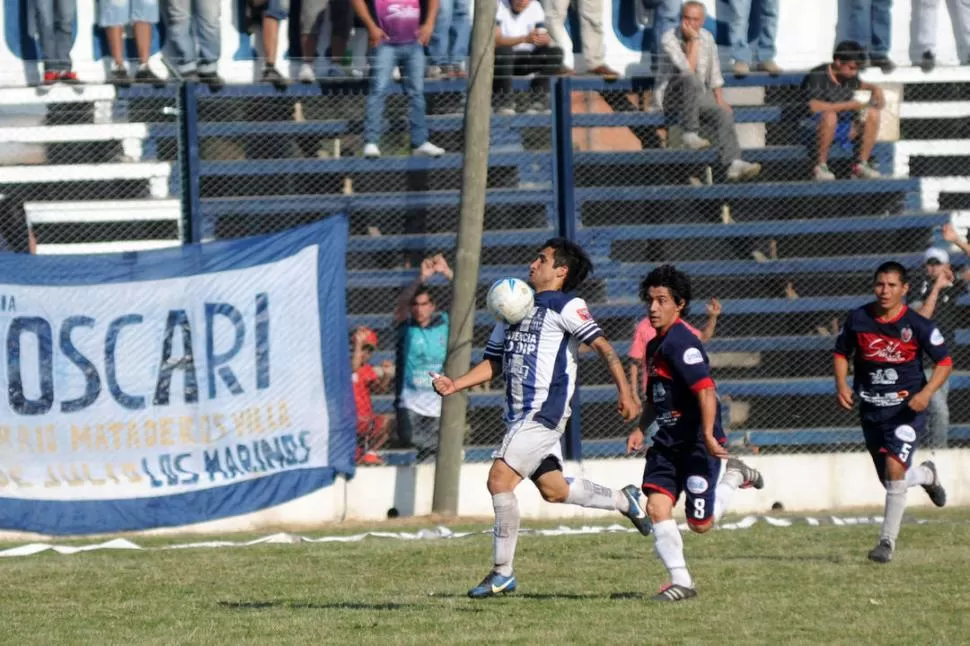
442, 385
846, 397
715, 448
919, 402
628, 407
634, 442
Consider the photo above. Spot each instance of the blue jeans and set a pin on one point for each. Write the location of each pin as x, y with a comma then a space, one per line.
55, 29
194, 35
767, 22
666, 16
870, 25
383, 61
118, 13
452, 29
418, 431
278, 9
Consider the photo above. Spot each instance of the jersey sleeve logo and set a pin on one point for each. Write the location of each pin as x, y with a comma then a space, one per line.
693, 356
906, 335
583, 314
935, 337
697, 484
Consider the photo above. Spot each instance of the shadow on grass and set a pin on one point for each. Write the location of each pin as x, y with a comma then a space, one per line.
308, 605
553, 596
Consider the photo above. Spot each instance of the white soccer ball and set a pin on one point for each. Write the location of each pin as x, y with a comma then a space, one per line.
510, 300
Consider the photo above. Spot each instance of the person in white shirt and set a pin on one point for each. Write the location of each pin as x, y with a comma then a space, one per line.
522, 47
538, 358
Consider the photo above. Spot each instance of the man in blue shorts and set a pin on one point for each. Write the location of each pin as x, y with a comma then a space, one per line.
887, 340
829, 90
689, 444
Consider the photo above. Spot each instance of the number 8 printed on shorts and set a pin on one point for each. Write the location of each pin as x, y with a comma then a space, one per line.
699, 511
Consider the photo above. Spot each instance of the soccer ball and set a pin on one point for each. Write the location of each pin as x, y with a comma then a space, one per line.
510, 300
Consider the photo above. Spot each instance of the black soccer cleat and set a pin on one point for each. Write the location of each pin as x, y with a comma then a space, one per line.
750, 477
636, 514
935, 491
674, 592
882, 553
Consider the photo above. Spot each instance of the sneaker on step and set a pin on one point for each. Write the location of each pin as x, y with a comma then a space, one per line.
674, 592
821, 173
740, 170
750, 477
928, 62
307, 74
771, 67
935, 491
371, 150
144, 74
70, 78
865, 170
694, 141
882, 553
741, 69
119, 76
636, 513
493, 585
273, 76
428, 149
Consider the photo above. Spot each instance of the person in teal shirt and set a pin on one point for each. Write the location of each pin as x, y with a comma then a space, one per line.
422, 344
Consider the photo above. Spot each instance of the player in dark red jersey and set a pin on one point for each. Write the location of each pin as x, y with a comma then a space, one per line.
887, 340
689, 444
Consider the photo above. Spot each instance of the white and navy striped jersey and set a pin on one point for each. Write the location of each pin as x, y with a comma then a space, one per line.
538, 358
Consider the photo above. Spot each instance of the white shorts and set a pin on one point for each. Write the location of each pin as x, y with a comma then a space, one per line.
526, 444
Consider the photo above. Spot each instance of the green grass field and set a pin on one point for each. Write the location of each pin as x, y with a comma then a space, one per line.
765, 585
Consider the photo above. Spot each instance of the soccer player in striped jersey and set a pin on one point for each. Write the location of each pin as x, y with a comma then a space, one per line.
886, 341
538, 358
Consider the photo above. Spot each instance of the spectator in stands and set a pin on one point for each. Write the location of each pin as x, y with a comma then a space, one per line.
113, 17
449, 41
645, 332
935, 297
398, 36
666, 15
268, 14
689, 90
313, 16
194, 37
924, 30
422, 342
870, 23
766, 14
829, 91
523, 46
372, 430
590, 30
55, 30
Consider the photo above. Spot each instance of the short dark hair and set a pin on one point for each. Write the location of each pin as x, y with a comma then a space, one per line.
423, 289
893, 267
849, 51
673, 279
570, 255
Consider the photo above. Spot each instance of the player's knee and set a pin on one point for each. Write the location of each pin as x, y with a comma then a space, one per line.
657, 511
554, 495
701, 528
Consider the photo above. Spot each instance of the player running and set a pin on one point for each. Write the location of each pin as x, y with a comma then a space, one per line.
689, 444
887, 339
538, 358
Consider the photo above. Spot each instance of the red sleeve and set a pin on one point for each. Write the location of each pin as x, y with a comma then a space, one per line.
366, 374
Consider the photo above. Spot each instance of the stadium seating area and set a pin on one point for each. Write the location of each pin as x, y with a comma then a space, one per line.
785, 255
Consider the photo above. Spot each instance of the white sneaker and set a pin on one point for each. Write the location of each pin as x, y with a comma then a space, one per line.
821, 173
427, 149
371, 150
742, 170
865, 170
306, 73
694, 141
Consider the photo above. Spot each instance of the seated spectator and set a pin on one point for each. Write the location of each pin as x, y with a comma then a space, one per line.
372, 430
766, 12
523, 46
312, 18
690, 90
830, 93
870, 23
270, 13
194, 37
55, 30
422, 342
590, 31
397, 36
113, 17
924, 30
450, 39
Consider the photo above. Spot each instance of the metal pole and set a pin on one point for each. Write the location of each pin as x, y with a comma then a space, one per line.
478, 114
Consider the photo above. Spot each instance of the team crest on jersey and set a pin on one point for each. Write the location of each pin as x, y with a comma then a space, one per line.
906, 335
583, 314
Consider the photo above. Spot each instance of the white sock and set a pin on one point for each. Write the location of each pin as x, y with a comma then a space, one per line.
725, 489
587, 493
506, 531
669, 545
918, 476
895, 506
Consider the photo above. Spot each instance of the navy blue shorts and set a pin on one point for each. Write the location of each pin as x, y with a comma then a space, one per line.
896, 438
692, 471
843, 129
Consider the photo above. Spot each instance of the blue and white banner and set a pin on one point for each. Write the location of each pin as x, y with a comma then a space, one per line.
172, 387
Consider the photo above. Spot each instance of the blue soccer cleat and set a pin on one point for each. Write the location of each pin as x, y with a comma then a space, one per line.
636, 514
493, 585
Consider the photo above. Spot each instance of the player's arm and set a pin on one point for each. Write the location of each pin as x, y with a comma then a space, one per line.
707, 401
627, 405
634, 368
844, 347
634, 442
479, 374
